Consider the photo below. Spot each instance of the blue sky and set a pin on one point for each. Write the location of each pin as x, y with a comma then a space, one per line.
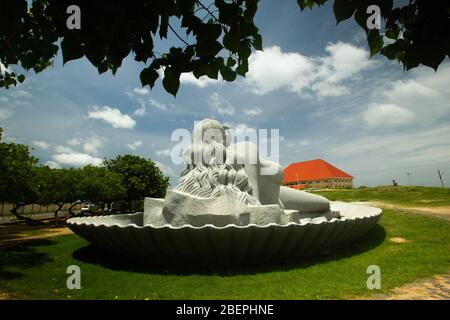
314, 81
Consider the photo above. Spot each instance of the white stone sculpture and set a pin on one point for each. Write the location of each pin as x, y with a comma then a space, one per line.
223, 184
226, 209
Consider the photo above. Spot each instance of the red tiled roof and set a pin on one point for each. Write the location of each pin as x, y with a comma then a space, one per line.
312, 170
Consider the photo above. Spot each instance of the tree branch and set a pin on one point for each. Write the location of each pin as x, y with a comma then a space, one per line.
178, 36
207, 10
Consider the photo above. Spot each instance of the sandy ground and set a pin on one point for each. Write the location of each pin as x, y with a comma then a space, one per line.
440, 212
436, 288
14, 234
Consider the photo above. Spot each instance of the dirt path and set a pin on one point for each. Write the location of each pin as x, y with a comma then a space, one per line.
12, 235
440, 212
436, 288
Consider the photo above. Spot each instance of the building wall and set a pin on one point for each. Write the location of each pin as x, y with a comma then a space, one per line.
334, 183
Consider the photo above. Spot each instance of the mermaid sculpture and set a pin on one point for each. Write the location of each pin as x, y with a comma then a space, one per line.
229, 208
224, 184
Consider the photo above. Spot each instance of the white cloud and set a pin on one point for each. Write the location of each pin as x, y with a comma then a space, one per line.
156, 104
140, 111
134, 145
4, 114
93, 144
113, 116
421, 100
327, 89
394, 145
253, 111
63, 149
53, 165
76, 159
202, 82
305, 143
387, 115
141, 91
273, 69
137, 92
220, 105
427, 100
19, 93
344, 61
165, 169
41, 144
164, 152
74, 142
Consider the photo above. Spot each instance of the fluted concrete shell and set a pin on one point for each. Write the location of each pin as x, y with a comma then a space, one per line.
230, 245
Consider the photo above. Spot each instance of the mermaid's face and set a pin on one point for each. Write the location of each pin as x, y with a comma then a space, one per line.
209, 130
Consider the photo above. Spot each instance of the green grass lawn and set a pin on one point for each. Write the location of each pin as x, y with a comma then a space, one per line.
406, 196
37, 269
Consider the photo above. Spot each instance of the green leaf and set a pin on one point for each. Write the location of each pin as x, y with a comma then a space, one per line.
231, 62
21, 78
149, 76
375, 41
231, 40
71, 49
361, 18
393, 50
432, 57
244, 49
343, 9
102, 67
257, 42
242, 69
171, 81
228, 74
200, 69
208, 50
392, 33
95, 54
411, 58
213, 70
164, 25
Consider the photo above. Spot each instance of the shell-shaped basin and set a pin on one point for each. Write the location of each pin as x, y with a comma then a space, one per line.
125, 234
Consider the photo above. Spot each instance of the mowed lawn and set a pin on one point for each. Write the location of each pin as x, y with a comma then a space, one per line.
404, 196
37, 269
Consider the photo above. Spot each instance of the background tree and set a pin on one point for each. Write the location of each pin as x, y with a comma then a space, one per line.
101, 186
54, 186
213, 38
140, 177
74, 188
17, 176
